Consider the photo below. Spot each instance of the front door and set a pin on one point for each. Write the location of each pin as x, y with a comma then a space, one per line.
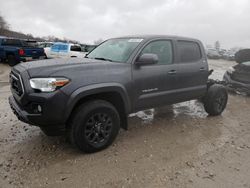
152, 83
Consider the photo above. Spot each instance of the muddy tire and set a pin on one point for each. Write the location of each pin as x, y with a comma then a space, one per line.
215, 100
11, 59
94, 126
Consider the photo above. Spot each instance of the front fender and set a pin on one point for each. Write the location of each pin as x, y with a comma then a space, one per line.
93, 89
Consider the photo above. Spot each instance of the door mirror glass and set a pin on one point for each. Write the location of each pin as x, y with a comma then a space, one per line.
147, 59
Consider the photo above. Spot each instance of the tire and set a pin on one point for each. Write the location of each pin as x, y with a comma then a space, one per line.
215, 100
90, 122
11, 60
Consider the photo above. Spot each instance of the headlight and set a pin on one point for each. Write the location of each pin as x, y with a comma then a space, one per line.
48, 84
231, 70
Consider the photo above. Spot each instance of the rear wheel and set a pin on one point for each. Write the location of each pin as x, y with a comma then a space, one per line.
94, 126
215, 100
11, 60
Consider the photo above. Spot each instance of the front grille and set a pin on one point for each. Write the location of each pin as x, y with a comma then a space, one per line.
16, 83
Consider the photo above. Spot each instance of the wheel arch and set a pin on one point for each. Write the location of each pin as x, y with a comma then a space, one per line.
114, 93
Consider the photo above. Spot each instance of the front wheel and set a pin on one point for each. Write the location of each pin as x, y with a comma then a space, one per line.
215, 100
94, 126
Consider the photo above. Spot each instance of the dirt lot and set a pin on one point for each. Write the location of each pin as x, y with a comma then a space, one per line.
175, 146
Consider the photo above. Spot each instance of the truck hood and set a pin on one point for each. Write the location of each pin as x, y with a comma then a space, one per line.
49, 67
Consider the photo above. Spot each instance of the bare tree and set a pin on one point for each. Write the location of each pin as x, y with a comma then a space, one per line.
3, 23
3, 26
99, 41
6, 31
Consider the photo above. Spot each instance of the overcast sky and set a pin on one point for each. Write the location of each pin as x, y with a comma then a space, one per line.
86, 21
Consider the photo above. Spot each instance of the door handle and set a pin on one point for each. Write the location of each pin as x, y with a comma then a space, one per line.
172, 72
202, 69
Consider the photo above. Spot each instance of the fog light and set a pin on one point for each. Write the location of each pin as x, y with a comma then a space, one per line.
39, 108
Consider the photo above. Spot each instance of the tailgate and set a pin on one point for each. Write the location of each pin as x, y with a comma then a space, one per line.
35, 53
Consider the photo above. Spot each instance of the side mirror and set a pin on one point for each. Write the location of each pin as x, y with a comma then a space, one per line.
147, 59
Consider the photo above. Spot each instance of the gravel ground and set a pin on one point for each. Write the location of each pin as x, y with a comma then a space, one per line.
173, 146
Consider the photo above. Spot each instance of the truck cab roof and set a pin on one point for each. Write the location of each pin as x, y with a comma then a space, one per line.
149, 37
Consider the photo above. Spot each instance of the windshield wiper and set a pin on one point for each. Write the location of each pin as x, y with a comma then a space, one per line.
104, 59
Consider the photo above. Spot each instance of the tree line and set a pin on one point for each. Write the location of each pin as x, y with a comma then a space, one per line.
6, 31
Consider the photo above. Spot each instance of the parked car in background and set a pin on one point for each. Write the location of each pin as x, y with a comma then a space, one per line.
222, 51
15, 51
213, 54
88, 48
46, 46
242, 56
238, 77
64, 50
230, 56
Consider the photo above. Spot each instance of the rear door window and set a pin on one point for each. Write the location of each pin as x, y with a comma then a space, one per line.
188, 51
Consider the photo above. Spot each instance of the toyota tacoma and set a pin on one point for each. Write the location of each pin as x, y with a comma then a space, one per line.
90, 98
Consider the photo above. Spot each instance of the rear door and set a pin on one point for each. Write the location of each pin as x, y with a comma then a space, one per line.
153, 83
192, 70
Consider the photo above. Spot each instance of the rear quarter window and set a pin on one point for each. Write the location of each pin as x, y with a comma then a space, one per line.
188, 51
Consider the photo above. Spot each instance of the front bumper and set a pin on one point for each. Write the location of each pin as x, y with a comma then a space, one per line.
51, 114
232, 84
46, 110
20, 114
36, 119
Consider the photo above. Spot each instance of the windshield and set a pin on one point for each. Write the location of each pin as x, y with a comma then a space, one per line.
118, 50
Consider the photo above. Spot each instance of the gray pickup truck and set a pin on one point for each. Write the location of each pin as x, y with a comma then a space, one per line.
90, 98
